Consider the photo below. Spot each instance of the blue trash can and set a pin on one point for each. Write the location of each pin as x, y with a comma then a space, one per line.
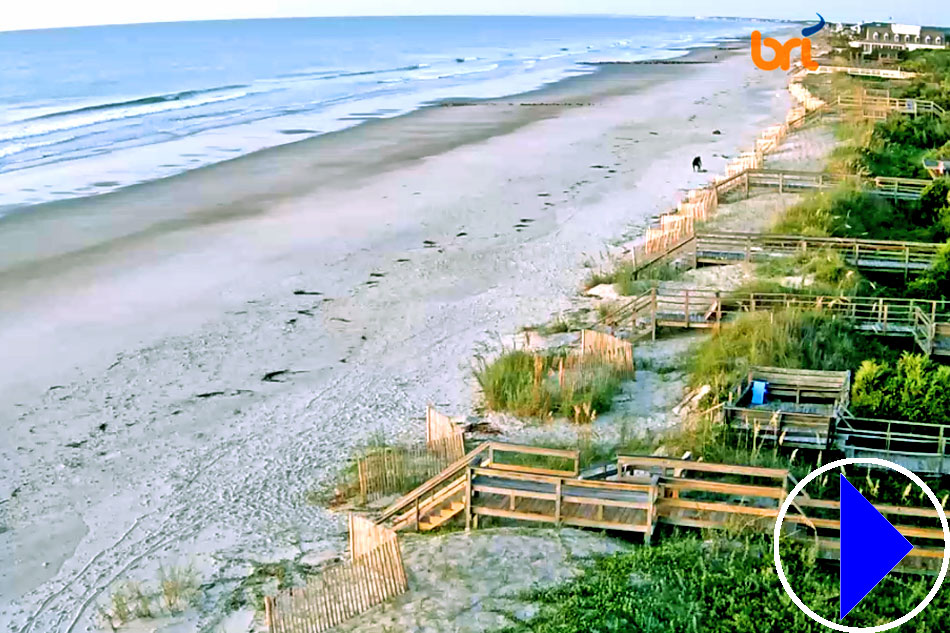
758, 391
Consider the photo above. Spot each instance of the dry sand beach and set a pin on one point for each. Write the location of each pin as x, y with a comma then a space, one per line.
184, 360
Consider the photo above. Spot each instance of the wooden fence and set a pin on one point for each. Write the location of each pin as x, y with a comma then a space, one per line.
444, 436
608, 348
394, 469
880, 108
374, 574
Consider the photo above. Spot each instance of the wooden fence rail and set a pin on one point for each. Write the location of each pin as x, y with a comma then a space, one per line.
875, 255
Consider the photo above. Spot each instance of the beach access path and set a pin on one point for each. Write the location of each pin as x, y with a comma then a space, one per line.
184, 360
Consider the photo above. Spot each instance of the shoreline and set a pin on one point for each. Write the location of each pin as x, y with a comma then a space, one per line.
367, 284
14, 219
675, 52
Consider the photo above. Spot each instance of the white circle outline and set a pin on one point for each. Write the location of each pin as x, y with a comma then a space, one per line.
877, 462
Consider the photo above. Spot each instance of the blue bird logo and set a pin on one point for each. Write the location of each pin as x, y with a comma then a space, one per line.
811, 30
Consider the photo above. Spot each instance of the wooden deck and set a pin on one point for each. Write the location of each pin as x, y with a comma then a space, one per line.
800, 408
888, 256
879, 108
647, 491
926, 322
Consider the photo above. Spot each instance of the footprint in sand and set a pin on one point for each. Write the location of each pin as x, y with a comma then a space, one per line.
402, 260
461, 234
429, 244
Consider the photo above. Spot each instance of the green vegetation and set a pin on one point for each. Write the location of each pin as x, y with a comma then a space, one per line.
178, 588
915, 389
267, 579
731, 586
551, 384
847, 211
793, 339
935, 282
627, 281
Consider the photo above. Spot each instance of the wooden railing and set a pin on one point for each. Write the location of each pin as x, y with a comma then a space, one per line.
927, 321
880, 107
904, 188
410, 508
894, 437
692, 494
628, 506
877, 255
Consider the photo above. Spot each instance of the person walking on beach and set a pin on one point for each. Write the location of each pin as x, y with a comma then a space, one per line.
697, 164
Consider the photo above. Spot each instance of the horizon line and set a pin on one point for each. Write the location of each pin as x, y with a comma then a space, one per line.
404, 15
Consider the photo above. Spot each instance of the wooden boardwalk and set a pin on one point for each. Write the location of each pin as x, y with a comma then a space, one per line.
643, 493
871, 255
879, 108
926, 322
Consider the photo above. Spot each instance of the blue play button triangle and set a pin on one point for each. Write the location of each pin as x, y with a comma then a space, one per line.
870, 547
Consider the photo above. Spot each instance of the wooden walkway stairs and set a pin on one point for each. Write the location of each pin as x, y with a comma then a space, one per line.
633, 494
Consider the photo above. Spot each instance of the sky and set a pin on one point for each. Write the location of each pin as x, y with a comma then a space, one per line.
33, 14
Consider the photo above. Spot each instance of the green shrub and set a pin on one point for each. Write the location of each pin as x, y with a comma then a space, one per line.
915, 389
934, 203
529, 385
627, 280
934, 283
793, 339
842, 212
722, 586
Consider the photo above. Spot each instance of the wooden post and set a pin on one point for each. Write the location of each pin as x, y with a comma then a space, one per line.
651, 512
557, 502
653, 318
718, 311
468, 499
781, 182
268, 613
747, 183
418, 529
686, 308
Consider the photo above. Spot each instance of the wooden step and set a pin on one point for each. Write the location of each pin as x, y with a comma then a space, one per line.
445, 514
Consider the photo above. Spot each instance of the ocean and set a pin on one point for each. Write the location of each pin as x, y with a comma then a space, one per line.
84, 111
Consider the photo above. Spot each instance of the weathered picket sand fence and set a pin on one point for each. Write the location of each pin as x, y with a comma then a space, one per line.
699, 204
373, 574
608, 348
443, 436
391, 469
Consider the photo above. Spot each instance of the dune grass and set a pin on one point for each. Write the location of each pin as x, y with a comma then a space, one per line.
548, 385
788, 338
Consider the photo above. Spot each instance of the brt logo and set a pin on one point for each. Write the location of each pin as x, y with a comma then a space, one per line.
783, 52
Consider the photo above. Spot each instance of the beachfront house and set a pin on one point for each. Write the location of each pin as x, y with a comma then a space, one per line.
889, 39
